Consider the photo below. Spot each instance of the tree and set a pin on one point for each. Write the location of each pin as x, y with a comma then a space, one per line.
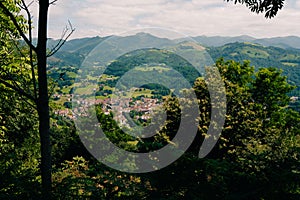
269, 7
257, 154
19, 155
270, 89
37, 95
260, 136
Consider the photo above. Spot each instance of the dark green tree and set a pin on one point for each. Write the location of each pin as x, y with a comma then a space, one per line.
260, 138
258, 150
19, 154
269, 7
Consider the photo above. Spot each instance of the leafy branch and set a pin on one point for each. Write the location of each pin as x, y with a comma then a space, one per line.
16, 24
269, 7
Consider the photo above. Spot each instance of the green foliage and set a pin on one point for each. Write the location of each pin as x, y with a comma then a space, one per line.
80, 179
270, 89
8, 30
257, 154
256, 157
65, 141
19, 154
286, 59
259, 138
19, 149
14, 66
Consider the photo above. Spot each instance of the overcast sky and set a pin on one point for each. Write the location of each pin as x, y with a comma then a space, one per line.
190, 17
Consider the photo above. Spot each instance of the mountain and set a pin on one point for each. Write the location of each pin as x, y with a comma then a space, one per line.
220, 41
278, 52
82, 45
74, 51
283, 42
217, 41
262, 56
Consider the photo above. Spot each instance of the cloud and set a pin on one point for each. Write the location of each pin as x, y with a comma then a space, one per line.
192, 17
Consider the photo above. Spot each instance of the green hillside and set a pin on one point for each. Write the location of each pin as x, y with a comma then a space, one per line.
260, 56
70, 57
151, 57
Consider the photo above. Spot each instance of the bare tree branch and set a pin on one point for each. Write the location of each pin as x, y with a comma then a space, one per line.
62, 41
13, 19
53, 2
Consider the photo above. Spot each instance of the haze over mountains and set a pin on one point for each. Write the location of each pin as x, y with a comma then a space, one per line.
215, 41
283, 42
74, 51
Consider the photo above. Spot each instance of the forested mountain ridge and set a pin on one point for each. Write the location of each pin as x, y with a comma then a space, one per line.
282, 42
261, 56
238, 49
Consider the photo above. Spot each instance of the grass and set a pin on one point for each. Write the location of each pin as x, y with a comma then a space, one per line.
152, 68
290, 57
290, 64
254, 53
106, 76
106, 87
85, 90
66, 90
71, 74
146, 93
61, 101
136, 93
91, 78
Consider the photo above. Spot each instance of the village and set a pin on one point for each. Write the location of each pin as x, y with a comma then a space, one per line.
140, 108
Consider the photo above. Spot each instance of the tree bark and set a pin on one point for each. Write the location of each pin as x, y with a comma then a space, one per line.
43, 100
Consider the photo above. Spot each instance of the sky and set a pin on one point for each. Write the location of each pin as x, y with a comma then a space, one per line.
188, 17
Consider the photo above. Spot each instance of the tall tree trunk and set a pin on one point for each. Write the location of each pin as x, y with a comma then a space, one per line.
43, 101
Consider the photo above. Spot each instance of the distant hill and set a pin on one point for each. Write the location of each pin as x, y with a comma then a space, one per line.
82, 45
261, 56
217, 41
280, 52
283, 42
74, 51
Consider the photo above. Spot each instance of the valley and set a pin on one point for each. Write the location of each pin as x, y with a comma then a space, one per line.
66, 65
